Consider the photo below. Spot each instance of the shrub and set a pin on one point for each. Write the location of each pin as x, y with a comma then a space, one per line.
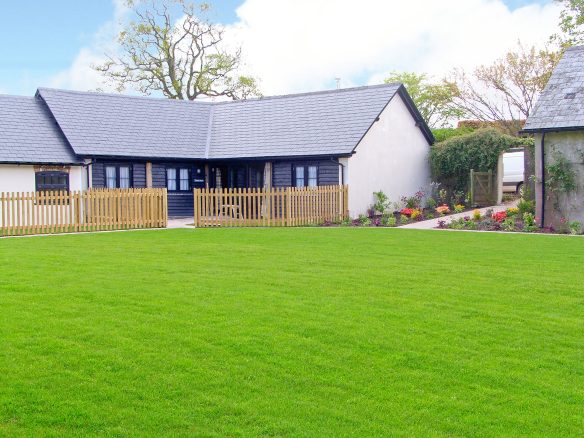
381, 202
529, 222
575, 227
415, 201
476, 214
458, 197
525, 206
364, 220
459, 208
446, 133
385, 218
429, 216
431, 203
406, 211
451, 160
403, 219
508, 224
457, 224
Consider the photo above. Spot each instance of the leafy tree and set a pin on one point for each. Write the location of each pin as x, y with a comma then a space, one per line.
434, 100
171, 47
571, 23
506, 90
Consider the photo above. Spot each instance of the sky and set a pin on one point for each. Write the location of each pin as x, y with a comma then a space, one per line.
290, 45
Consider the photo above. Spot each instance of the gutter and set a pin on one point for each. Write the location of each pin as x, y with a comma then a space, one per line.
342, 170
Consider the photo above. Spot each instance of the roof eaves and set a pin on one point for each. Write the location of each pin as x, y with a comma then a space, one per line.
420, 122
552, 129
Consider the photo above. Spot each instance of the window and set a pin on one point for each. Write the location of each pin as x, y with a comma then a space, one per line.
118, 177
171, 179
178, 179
305, 176
124, 178
184, 179
299, 175
51, 181
312, 176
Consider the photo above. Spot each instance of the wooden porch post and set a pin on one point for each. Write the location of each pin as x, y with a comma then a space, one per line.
268, 175
207, 176
149, 175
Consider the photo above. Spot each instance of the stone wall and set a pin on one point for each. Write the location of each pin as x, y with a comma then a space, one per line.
560, 205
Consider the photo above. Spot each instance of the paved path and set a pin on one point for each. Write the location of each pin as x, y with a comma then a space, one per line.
182, 222
433, 223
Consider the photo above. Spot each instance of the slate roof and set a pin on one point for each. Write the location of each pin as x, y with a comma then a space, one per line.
321, 123
29, 134
561, 105
99, 124
328, 123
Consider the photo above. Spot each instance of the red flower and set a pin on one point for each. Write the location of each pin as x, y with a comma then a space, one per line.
500, 216
407, 211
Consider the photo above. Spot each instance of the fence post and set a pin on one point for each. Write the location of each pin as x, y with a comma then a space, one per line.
472, 194
197, 207
490, 186
3, 207
288, 206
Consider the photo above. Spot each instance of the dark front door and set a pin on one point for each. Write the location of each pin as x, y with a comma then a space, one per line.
198, 177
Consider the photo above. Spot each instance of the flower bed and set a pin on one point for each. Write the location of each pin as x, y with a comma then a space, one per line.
409, 209
512, 220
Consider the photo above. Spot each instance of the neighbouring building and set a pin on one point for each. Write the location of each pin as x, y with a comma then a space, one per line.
557, 123
369, 138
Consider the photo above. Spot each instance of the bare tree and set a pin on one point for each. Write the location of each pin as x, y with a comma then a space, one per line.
184, 57
505, 91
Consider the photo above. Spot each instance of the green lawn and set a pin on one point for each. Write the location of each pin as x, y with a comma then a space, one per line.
298, 332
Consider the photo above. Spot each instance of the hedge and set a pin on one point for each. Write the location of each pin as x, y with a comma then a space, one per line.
452, 160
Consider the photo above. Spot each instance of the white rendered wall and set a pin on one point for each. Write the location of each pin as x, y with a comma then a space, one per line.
392, 157
21, 178
14, 178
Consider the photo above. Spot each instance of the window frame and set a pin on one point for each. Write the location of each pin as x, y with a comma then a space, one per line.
306, 174
177, 178
117, 169
44, 173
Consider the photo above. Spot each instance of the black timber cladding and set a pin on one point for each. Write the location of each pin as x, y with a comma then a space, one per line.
328, 172
138, 173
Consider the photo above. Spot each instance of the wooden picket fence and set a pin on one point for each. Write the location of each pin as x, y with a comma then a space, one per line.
77, 211
279, 207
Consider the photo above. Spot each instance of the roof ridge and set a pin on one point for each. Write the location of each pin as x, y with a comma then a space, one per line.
199, 102
312, 93
17, 96
125, 96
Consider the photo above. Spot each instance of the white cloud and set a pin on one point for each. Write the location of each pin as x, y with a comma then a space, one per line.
299, 45
80, 75
302, 45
